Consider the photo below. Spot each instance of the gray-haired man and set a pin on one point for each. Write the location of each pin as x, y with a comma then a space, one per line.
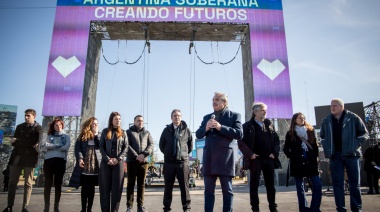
342, 134
261, 145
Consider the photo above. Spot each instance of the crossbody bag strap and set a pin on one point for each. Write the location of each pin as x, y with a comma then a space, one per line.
306, 142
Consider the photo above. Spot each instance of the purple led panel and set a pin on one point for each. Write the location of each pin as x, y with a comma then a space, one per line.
67, 61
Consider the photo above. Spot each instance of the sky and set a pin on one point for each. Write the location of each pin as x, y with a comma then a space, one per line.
332, 45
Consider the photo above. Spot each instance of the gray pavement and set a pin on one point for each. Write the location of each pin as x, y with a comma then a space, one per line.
286, 199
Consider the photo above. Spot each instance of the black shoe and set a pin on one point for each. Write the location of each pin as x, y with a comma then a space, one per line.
24, 209
377, 192
8, 209
275, 210
141, 209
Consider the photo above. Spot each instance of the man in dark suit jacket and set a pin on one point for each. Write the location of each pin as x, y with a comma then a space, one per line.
261, 145
220, 128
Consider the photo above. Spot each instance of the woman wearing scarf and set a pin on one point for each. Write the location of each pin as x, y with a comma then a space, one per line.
302, 150
55, 148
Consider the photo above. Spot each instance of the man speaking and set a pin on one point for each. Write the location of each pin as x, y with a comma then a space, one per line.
220, 128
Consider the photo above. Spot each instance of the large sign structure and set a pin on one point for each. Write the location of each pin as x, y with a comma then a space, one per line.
268, 64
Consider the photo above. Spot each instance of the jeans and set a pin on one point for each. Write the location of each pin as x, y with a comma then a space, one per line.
337, 165
316, 196
228, 196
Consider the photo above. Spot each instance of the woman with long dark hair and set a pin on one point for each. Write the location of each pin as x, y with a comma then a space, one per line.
55, 148
302, 149
113, 147
88, 158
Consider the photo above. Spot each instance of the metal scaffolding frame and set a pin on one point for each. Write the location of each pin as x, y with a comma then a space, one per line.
372, 121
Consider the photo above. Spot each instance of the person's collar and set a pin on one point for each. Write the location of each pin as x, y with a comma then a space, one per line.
138, 129
175, 126
261, 123
58, 133
220, 111
30, 125
340, 115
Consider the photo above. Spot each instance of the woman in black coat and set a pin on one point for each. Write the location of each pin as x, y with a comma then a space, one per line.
113, 147
88, 159
302, 149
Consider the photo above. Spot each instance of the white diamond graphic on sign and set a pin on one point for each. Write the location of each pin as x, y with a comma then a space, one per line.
271, 70
65, 67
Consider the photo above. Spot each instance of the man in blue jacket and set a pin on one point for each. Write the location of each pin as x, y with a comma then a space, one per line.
342, 134
220, 129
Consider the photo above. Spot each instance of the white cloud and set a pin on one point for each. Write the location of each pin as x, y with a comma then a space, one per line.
311, 67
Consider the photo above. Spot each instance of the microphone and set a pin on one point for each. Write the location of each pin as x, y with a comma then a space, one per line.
212, 117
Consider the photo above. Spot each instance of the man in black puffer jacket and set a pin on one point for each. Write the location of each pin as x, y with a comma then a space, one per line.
176, 143
140, 147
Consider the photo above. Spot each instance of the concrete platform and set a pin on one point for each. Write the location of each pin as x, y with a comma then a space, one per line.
286, 199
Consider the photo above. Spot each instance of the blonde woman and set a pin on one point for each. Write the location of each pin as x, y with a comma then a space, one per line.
88, 158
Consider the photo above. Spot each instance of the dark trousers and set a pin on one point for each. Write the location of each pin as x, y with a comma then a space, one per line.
228, 195
54, 169
6, 182
181, 171
111, 180
373, 180
87, 193
267, 167
136, 170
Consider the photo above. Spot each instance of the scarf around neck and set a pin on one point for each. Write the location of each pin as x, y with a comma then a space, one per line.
177, 140
302, 132
219, 113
